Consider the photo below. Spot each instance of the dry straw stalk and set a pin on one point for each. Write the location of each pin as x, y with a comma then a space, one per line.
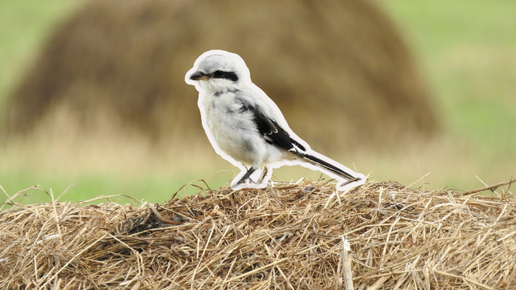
287, 237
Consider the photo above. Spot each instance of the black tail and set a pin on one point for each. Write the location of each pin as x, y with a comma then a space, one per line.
326, 165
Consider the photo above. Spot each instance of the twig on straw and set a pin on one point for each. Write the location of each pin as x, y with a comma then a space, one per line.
346, 265
490, 188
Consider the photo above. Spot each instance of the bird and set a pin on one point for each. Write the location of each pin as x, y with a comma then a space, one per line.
247, 128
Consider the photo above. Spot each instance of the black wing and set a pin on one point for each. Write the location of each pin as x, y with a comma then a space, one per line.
272, 132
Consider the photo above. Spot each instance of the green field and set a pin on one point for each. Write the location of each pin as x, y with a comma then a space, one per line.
466, 51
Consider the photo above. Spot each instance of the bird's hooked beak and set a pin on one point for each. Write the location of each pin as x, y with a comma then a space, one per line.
200, 76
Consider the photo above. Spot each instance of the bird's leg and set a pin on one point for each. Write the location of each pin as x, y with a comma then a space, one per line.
246, 175
264, 172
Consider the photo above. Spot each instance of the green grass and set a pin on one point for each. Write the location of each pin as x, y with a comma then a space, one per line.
153, 188
466, 50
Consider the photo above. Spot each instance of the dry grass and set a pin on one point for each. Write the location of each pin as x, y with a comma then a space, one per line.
291, 236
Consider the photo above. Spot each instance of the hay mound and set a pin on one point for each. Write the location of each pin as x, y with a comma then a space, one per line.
288, 237
122, 62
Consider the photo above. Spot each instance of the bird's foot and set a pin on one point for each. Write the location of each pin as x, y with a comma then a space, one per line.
246, 175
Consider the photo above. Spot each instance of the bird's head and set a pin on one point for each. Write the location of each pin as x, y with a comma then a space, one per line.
217, 70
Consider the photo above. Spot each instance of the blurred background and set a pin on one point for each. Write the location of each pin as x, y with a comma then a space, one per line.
92, 93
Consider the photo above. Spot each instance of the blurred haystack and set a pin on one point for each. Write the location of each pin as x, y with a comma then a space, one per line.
287, 237
335, 68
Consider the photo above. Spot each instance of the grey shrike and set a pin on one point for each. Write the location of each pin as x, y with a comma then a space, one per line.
246, 127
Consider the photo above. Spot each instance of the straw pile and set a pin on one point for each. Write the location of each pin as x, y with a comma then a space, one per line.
291, 236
